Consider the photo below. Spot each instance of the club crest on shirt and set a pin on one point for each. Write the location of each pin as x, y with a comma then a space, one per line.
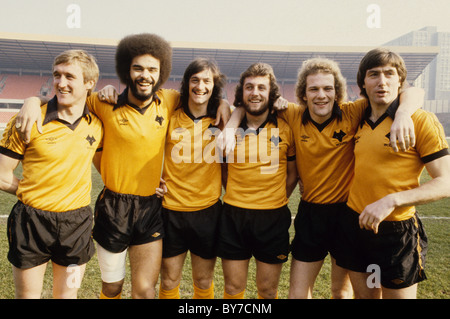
90, 139
213, 128
159, 119
275, 140
339, 135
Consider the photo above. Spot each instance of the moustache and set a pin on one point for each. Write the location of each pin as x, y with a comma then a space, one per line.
145, 80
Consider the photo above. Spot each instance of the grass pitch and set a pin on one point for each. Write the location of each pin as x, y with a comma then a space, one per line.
435, 216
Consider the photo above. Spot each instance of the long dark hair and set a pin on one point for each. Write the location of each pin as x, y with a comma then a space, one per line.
196, 66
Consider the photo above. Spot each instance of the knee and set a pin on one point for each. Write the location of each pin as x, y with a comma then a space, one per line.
268, 294
345, 292
143, 292
374, 293
298, 293
169, 283
112, 289
234, 288
203, 282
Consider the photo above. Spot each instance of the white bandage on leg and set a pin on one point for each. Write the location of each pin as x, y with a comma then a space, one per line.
112, 265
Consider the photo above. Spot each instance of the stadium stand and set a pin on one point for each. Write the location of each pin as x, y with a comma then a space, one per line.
15, 88
21, 86
5, 116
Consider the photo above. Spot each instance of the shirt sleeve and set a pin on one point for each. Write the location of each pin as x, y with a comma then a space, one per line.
430, 137
355, 111
12, 144
290, 114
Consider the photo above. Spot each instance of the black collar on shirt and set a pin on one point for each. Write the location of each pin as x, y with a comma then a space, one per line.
123, 100
52, 114
270, 118
390, 111
336, 112
192, 117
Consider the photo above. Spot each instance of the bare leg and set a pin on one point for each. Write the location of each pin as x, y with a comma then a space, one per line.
267, 279
67, 281
202, 271
341, 286
145, 264
235, 274
303, 277
171, 270
404, 293
360, 287
28, 282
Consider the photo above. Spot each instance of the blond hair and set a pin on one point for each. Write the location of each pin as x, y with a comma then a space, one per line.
321, 65
86, 61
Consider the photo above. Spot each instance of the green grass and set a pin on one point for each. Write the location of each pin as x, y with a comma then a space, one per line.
436, 287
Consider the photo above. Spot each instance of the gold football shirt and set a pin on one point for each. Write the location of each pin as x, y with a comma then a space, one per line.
192, 167
133, 146
57, 163
380, 171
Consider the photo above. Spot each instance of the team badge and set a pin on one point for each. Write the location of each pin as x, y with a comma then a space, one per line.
275, 140
339, 135
159, 119
90, 139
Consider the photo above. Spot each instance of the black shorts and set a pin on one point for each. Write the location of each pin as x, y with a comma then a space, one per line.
36, 236
399, 249
122, 220
315, 230
263, 234
196, 231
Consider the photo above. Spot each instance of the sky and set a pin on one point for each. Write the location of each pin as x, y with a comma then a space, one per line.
255, 22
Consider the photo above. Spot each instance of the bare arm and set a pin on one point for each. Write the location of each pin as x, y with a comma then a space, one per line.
224, 168
162, 189
97, 160
29, 114
291, 178
223, 114
226, 140
433, 190
402, 130
8, 181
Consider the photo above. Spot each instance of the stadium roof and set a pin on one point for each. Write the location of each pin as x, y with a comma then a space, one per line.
28, 54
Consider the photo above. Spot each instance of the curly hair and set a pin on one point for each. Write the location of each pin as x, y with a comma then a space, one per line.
379, 57
320, 65
196, 66
139, 44
258, 69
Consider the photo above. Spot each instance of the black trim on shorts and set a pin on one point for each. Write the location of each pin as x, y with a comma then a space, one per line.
399, 249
